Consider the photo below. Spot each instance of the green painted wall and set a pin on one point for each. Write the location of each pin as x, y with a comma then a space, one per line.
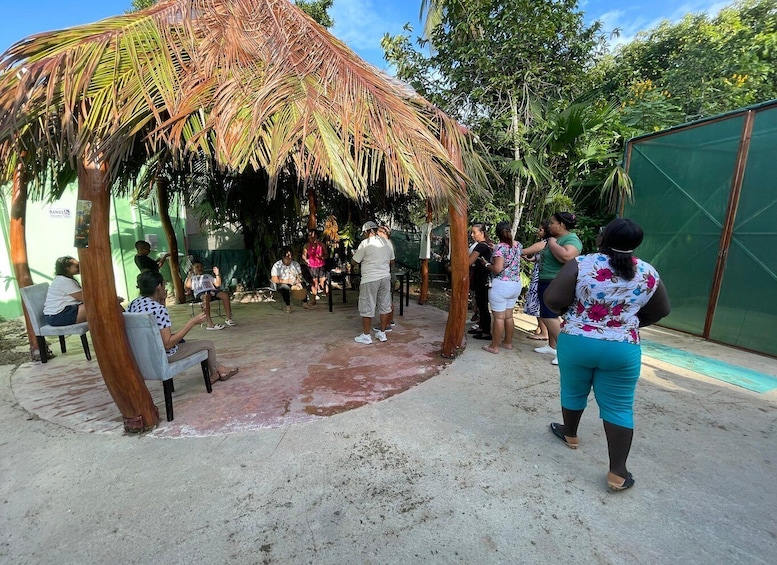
50, 234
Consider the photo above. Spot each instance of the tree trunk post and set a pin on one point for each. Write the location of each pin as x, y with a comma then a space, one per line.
424, 291
18, 237
106, 325
163, 195
457, 312
519, 191
312, 209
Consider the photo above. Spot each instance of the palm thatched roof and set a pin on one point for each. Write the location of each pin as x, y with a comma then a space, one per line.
245, 83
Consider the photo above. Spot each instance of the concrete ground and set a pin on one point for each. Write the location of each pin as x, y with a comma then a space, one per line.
456, 468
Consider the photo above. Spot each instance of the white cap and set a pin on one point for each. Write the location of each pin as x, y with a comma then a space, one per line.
369, 226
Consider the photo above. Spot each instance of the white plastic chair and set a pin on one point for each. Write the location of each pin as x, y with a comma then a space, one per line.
150, 355
34, 297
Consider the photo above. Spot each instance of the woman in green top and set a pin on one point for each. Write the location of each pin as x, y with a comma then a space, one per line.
563, 246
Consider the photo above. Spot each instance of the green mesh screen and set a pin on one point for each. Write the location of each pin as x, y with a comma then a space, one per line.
682, 180
406, 248
746, 313
233, 264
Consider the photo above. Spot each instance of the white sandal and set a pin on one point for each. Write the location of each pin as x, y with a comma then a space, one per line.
214, 328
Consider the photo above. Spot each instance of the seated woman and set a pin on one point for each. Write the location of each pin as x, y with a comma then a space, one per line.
152, 299
64, 304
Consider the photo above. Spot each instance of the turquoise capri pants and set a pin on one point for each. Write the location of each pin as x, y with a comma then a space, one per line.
611, 368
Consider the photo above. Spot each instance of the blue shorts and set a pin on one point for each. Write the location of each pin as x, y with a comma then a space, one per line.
545, 312
67, 317
611, 368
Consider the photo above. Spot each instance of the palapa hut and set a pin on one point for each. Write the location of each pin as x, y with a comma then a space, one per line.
246, 84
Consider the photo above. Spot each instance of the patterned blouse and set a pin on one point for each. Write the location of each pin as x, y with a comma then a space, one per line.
511, 270
606, 306
144, 304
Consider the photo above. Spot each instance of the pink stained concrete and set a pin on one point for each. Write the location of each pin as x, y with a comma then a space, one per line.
293, 368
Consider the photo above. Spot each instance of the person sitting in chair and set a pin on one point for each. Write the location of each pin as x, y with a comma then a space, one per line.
206, 287
65, 300
286, 274
152, 300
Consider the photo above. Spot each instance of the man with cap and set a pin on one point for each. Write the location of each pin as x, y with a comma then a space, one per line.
376, 257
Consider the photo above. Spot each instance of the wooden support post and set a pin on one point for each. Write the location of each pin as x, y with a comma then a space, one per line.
457, 312
172, 241
106, 325
423, 293
312, 209
18, 237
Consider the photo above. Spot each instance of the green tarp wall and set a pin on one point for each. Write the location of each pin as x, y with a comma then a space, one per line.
685, 195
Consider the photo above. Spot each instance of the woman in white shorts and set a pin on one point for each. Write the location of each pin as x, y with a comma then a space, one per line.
505, 268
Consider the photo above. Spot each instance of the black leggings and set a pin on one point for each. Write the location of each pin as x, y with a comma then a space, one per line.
481, 300
285, 291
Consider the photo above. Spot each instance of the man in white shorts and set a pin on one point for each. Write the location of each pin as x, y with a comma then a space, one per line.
376, 256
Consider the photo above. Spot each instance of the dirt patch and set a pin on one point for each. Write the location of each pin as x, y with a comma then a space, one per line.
14, 347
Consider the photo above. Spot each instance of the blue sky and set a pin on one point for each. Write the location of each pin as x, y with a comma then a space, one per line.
359, 23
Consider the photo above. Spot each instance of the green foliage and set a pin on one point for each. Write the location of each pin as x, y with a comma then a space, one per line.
318, 10
513, 71
142, 4
697, 67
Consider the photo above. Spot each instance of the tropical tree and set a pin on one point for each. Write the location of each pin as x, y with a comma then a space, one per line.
494, 64
700, 66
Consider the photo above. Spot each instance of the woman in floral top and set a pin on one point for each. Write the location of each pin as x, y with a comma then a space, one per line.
505, 268
606, 297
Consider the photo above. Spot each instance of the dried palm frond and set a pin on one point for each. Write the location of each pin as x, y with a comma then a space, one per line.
247, 83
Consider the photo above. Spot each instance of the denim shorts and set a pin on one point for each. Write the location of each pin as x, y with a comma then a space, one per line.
545, 312
67, 317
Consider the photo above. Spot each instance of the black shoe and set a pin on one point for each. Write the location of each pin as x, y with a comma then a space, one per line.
571, 443
481, 335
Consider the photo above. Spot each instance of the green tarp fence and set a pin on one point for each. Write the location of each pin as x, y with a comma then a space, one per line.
693, 185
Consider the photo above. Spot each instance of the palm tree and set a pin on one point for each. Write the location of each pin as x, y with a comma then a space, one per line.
248, 84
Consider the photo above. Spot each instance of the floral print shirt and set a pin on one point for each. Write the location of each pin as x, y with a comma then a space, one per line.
606, 306
511, 270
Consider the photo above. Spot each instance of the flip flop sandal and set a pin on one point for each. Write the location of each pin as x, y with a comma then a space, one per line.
229, 374
570, 442
617, 483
